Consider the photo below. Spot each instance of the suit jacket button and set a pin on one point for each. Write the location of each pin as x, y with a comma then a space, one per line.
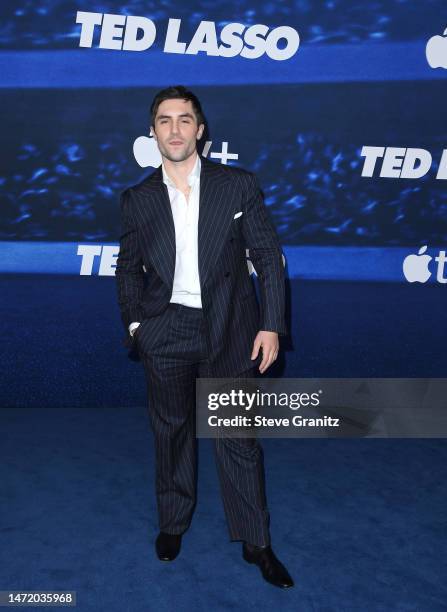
227, 274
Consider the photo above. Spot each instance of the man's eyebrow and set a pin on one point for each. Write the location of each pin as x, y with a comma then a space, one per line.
169, 116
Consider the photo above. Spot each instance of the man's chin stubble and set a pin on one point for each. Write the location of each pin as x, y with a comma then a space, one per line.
179, 157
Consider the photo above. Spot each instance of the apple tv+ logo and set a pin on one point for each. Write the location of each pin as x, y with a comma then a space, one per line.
416, 267
436, 51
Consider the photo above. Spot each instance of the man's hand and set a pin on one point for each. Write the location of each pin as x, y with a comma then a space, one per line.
268, 341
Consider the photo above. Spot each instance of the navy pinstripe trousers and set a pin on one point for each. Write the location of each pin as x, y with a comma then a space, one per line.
177, 355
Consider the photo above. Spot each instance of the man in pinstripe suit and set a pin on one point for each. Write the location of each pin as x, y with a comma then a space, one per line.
189, 308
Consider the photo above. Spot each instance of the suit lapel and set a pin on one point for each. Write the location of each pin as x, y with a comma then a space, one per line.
215, 216
162, 235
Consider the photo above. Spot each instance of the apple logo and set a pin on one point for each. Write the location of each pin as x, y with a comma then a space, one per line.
146, 152
436, 51
415, 267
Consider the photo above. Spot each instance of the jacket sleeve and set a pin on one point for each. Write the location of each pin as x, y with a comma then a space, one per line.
266, 255
129, 266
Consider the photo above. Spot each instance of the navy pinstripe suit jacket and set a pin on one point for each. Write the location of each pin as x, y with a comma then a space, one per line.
230, 306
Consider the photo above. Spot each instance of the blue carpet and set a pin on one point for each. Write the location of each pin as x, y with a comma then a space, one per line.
360, 524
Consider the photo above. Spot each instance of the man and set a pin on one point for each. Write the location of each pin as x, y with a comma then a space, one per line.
192, 311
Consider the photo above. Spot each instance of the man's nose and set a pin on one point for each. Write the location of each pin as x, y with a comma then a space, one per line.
175, 128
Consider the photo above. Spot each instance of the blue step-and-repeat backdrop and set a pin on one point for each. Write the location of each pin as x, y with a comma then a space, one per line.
338, 106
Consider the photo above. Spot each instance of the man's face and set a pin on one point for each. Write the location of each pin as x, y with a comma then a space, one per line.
176, 129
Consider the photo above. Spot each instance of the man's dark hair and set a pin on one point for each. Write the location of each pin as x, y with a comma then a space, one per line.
179, 92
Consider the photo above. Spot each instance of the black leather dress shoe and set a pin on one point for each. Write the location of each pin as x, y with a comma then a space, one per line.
168, 545
271, 567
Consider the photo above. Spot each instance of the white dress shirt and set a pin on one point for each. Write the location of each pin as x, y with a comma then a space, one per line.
186, 285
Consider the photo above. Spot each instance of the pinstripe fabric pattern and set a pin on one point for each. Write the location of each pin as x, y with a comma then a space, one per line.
232, 313
176, 357
177, 343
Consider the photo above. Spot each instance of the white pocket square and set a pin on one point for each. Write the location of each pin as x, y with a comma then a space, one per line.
238, 214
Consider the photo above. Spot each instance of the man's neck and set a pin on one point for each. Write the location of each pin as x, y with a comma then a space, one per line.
178, 171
